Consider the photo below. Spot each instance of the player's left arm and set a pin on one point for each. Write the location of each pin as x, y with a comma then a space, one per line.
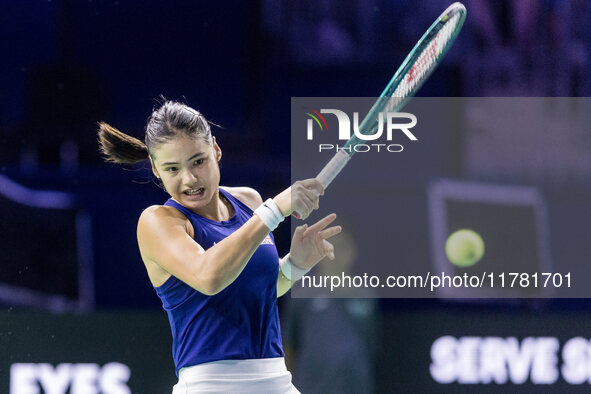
309, 245
252, 199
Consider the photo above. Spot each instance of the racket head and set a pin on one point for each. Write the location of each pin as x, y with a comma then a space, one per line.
416, 68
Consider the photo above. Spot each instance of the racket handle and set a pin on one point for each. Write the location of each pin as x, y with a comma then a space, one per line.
330, 171
333, 167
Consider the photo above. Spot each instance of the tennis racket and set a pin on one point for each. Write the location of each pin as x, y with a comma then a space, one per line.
408, 79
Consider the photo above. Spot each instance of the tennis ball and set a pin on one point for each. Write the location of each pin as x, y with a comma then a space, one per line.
464, 248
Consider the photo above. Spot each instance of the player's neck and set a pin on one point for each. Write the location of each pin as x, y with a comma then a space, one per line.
218, 209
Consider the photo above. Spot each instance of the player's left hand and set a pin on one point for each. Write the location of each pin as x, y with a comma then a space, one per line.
309, 245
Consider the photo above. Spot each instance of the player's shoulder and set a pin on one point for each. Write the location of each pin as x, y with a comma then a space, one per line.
247, 195
159, 216
158, 212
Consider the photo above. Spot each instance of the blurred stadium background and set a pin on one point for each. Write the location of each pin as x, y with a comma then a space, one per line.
78, 313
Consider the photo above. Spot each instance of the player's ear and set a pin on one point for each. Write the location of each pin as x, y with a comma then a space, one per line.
217, 150
154, 170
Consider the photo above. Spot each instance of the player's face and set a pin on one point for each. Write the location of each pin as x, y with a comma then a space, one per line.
188, 168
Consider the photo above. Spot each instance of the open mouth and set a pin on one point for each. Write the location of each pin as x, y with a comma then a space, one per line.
197, 192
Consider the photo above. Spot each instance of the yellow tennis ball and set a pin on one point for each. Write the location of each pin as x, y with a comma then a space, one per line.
464, 248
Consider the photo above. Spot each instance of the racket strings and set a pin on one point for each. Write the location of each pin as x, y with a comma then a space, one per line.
425, 63
434, 46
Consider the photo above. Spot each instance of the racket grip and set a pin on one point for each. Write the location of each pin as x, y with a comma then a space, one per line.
333, 167
330, 171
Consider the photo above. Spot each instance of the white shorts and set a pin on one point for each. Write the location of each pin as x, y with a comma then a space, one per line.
265, 375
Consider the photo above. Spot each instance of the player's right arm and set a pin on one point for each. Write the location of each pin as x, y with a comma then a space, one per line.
164, 240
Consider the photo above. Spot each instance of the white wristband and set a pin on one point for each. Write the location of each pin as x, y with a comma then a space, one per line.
270, 214
291, 271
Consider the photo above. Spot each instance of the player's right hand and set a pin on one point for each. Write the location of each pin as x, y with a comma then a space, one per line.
301, 197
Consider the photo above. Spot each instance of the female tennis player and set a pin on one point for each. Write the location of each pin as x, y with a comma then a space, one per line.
211, 257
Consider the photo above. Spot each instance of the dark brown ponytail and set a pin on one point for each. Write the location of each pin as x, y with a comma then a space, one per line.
118, 147
165, 123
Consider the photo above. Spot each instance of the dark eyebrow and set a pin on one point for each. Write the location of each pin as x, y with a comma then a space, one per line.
190, 158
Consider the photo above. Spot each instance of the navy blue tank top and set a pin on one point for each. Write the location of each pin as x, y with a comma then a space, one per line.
240, 322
